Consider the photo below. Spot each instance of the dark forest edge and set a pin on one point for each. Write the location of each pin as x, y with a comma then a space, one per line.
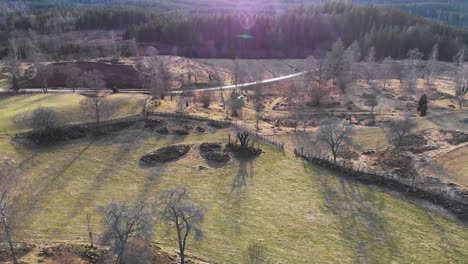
295, 32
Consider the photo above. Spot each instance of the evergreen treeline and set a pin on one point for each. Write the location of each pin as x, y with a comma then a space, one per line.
292, 33
298, 32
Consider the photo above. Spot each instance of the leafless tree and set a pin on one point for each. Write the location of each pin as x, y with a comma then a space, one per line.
95, 104
259, 107
351, 57
90, 229
72, 76
385, 72
14, 64
396, 68
133, 48
177, 208
373, 97
296, 99
398, 129
158, 77
45, 119
461, 78
235, 103
9, 205
411, 73
335, 135
369, 66
432, 66
205, 97
316, 71
256, 253
123, 222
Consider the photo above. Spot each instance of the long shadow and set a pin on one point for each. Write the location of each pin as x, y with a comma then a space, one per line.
238, 194
46, 187
89, 195
360, 220
446, 243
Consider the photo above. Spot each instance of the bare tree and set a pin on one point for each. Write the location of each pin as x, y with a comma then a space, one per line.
205, 97
296, 99
461, 78
123, 222
385, 71
90, 229
177, 208
45, 120
369, 67
398, 129
95, 104
352, 55
316, 70
256, 253
259, 107
335, 61
411, 77
235, 103
14, 64
9, 202
373, 97
335, 135
432, 66
72, 76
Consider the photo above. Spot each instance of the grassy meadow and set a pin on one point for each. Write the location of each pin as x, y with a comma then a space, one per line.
303, 214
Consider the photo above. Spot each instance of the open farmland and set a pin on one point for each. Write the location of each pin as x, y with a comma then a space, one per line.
301, 212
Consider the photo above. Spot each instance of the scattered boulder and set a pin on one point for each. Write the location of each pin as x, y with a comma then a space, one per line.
458, 137
207, 147
181, 132
163, 130
166, 154
153, 122
368, 152
244, 152
213, 152
217, 156
201, 129
219, 124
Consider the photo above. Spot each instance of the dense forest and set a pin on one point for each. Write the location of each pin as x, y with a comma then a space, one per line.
298, 32
293, 32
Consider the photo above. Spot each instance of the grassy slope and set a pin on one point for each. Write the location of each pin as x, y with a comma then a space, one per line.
14, 108
454, 163
302, 213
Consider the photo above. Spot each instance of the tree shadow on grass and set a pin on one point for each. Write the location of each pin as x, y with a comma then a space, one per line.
447, 244
57, 182
238, 194
360, 220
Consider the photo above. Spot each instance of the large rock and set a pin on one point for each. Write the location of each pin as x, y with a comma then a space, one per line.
166, 154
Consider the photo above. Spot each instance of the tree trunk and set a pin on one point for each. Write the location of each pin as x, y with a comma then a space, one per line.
181, 246
222, 99
8, 234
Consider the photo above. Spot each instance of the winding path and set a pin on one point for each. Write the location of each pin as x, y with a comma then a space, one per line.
226, 87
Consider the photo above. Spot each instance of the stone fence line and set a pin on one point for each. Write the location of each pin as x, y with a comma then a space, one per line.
104, 123
448, 195
237, 125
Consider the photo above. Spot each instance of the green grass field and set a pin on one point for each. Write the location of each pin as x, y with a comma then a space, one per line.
454, 164
68, 105
303, 214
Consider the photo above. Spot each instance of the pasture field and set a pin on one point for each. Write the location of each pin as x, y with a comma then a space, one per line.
13, 109
300, 212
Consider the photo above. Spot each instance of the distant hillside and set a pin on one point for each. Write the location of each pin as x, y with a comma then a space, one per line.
452, 12
293, 32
